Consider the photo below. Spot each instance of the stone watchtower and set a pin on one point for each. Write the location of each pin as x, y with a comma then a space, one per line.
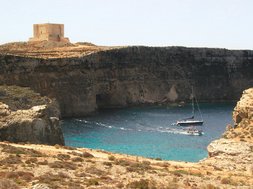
48, 32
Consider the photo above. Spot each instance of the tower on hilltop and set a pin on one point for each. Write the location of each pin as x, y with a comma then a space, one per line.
48, 32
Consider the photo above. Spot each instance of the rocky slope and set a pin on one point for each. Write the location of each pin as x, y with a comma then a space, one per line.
126, 76
27, 117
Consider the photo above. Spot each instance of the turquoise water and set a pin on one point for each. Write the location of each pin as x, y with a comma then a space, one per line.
147, 131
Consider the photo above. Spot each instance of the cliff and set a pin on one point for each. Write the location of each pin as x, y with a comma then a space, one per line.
243, 118
127, 76
235, 150
25, 116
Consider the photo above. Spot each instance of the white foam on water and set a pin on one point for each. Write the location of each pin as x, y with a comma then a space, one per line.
83, 121
104, 125
141, 128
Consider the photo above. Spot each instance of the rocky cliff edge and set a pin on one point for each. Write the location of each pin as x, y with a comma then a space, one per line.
234, 151
25, 116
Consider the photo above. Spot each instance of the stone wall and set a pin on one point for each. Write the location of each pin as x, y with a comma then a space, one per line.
48, 32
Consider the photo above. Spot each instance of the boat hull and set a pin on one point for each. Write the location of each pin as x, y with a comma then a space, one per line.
190, 123
195, 133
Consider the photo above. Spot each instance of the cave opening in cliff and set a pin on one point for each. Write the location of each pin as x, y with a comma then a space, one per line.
103, 101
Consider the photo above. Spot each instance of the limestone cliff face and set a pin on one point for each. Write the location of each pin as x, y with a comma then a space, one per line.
34, 124
235, 150
243, 118
132, 75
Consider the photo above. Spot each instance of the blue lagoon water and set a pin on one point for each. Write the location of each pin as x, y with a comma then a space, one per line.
147, 131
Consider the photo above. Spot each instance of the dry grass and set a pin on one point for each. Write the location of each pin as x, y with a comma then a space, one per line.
26, 176
63, 156
77, 159
142, 184
87, 155
18, 150
47, 49
11, 159
95, 171
82, 155
31, 160
62, 165
8, 184
92, 181
21, 97
111, 158
62, 168
139, 167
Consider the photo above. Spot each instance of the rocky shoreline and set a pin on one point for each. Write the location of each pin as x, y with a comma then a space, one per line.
32, 166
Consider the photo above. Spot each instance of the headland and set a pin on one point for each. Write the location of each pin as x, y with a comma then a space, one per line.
80, 78
84, 78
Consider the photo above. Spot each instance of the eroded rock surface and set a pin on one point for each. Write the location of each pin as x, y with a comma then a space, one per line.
118, 77
235, 150
243, 118
228, 154
36, 124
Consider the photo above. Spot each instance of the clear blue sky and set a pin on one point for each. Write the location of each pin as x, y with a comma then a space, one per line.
193, 23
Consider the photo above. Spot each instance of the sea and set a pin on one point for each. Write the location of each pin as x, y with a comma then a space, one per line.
149, 131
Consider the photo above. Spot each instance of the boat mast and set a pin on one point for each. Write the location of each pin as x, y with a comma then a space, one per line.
198, 108
193, 109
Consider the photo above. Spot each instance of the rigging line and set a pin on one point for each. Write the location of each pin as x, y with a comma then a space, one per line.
199, 108
193, 108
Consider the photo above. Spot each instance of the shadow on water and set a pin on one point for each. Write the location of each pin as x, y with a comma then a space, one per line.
147, 131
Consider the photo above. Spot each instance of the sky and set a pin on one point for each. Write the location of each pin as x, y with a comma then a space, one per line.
191, 23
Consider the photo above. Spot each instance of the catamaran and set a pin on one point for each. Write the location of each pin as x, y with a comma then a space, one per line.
191, 121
